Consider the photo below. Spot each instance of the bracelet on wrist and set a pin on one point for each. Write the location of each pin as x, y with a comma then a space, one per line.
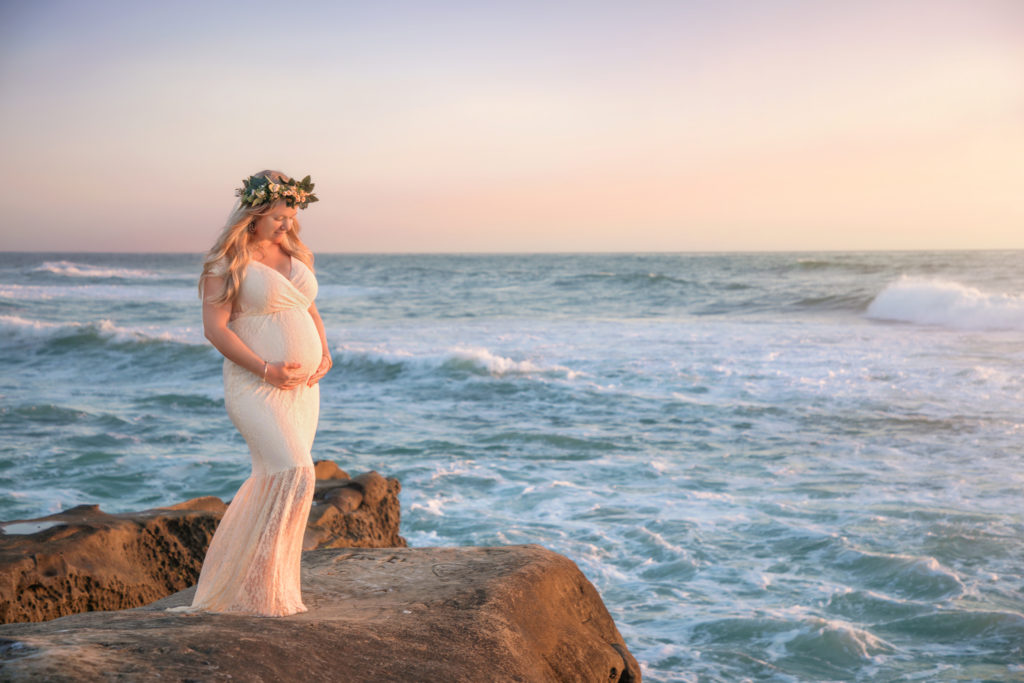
266, 363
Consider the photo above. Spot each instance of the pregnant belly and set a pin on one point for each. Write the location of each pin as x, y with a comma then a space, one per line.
288, 336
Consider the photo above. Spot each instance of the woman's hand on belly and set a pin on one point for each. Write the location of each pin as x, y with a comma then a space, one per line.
285, 375
325, 365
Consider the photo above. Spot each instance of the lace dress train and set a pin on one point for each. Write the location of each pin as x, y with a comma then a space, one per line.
253, 563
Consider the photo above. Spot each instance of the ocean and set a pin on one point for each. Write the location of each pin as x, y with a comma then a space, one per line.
773, 466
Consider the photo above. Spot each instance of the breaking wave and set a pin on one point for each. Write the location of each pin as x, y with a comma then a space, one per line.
380, 364
949, 304
18, 330
72, 269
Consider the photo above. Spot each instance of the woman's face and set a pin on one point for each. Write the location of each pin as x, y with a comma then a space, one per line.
273, 225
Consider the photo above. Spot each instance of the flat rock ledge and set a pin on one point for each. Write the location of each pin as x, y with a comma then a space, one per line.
512, 613
84, 559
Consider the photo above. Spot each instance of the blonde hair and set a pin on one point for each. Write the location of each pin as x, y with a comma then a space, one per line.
231, 253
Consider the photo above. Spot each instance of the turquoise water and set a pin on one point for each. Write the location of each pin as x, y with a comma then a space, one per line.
785, 467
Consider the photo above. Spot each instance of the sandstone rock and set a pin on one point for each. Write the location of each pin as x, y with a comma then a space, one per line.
372, 522
515, 613
345, 499
373, 486
326, 469
84, 559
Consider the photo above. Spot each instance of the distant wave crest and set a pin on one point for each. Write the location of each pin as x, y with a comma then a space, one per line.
949, 304
642, 279
16, 328
93, 292
457, 361
851, 264
479, 359
72, 269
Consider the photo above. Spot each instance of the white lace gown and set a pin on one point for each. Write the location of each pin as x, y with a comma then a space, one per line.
253, 563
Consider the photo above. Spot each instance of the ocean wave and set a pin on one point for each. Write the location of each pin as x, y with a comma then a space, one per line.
998, 629
906, 576
851, 265
831, 642
553, 440
869, 606
948, 304
642, 279
41, 413
16, 292
478, 360
815, 264
834, 643
382, 365
15, 329
72, 269
160, 290
186, 401
19, 417
836, 302
348, 291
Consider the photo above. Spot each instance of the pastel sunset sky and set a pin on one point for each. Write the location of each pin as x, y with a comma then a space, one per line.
518, 126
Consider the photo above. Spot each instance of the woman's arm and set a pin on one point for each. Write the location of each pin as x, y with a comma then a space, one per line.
325, 361
215, 328
318, 321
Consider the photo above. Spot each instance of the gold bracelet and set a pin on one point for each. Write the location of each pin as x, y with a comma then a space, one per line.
265, 364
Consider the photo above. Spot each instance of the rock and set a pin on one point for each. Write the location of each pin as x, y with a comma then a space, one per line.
84, 559
373, 523
326, 469
373, 487
345, 499
514, 613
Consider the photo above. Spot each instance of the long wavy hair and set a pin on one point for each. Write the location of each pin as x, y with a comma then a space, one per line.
231, 253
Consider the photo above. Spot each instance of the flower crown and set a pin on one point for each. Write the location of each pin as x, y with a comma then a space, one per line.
257, 189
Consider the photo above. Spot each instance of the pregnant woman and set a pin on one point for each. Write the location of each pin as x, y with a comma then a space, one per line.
258, 288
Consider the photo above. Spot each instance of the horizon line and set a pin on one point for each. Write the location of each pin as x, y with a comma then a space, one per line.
549, 253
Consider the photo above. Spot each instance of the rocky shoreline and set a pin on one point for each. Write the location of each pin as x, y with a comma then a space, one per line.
84, 559
377, 609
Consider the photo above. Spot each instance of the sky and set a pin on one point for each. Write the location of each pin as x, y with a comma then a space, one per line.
518, 126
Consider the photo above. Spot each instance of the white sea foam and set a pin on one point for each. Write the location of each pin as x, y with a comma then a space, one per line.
659, 466
831, 640
500, 365
432, 506
947, 303
72, 269
16, 327
479, 359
